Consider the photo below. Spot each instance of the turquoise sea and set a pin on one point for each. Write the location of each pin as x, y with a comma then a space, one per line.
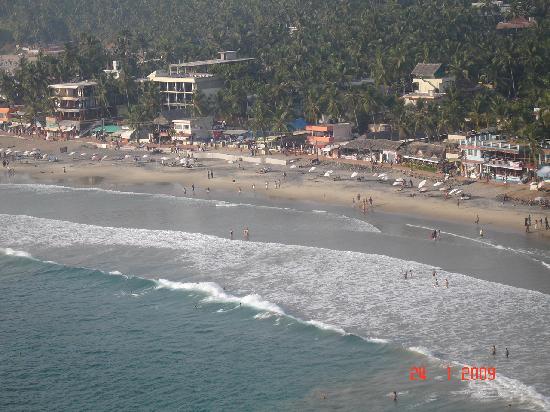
139, 301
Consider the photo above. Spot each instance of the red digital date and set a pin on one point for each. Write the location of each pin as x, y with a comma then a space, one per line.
472, 373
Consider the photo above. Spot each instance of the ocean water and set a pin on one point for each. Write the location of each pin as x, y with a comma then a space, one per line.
130, 300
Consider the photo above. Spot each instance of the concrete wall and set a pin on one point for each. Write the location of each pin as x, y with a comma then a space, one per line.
235, 158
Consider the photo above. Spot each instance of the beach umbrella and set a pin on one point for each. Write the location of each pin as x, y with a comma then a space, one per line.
312, 168
72, 153
438, 184
452, 191
145, 156
354, 174
421, 184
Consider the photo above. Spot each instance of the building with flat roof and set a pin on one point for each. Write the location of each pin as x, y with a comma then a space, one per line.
75, 105
492, 155
202, 66
325, 134
177, 90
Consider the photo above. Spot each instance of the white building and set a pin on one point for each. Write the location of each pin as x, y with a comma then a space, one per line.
196, 127
429, 83
177, 89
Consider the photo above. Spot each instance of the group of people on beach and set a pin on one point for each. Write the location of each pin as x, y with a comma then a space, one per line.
539, 224
363, 204
409, 274
246, 234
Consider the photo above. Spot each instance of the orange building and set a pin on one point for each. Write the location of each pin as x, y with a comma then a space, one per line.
324, 134
6, 114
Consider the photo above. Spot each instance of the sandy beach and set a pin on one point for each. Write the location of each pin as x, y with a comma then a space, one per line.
299, 183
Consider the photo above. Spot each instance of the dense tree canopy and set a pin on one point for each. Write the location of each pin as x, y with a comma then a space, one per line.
307, 70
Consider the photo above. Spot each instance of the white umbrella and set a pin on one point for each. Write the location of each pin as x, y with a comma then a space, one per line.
312, 169
354, 174
82, 154
421, 184
145, 156
72, 153
544, 171
453, 191
438, 184
396, 183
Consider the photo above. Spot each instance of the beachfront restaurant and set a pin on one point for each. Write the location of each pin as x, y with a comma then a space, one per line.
426, 154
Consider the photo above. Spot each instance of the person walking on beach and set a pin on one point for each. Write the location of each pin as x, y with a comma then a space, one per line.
193, 188
494, 351
370, 201
458, 202
64, 171
207, 190
211, 174
434, 273
208, 173
394, 396
546, 223
410, 273
447, 283
526, 225
477, 220
184, 191
266, 185
480, 232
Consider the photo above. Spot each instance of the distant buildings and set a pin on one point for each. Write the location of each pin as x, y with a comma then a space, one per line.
430, 82
115, 71
517, 23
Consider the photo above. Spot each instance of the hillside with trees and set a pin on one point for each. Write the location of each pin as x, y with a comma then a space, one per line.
307, 53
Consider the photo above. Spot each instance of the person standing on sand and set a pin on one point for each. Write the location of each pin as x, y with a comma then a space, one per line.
458, 202
477, 220
208, 173
211, 174
184, 191
546, 222
193, 188
370, 201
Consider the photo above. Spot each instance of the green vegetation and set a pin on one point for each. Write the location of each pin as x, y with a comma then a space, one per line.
302, 72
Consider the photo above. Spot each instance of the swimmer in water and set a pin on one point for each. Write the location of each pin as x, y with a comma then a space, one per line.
507, 353
434, 273
436, 283
395, 396
494, 351
231, 234
446, 282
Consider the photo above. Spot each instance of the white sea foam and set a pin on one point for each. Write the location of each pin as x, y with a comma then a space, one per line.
350, 290
11, 252
216, 293
324, 326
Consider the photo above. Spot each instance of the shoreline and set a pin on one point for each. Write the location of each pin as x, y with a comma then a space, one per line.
298, 185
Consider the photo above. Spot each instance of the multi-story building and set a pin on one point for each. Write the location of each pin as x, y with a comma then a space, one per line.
177, 90
325, 134
490, 155
430, 82
183, 80
75, 105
